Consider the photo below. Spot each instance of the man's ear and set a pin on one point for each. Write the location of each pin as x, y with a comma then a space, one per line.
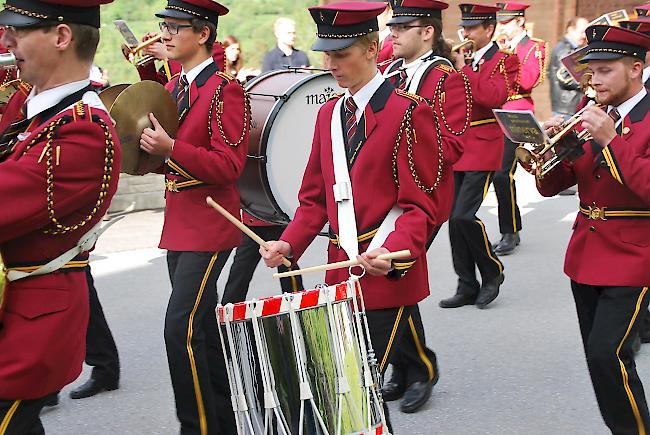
64, 36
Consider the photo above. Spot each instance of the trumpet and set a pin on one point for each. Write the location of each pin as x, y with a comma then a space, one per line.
566, 143
466, 47
134, 54
563, 76
7, 61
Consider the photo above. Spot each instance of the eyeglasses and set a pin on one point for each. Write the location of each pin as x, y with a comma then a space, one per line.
399, 28
19, 31
172, 28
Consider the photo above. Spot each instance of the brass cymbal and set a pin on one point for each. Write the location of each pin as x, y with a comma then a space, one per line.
131, 114
109, 94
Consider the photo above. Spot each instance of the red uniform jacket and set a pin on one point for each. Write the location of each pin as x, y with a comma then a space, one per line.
376, 191
532, 54
208, 157
614, 251
448, 91
43, 337
149, 72
492, 82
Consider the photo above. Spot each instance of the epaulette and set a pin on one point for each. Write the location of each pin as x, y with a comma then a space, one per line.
445, 68
410, 96
335, 96
25, 88
506, 51
225, 76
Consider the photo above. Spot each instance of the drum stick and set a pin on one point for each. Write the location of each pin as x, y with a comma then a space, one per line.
343, 264
236, 222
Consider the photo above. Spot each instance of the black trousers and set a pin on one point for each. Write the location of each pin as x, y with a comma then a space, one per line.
247, 257
470, 246
412, 360
101, 352
21, 417
609, 318
194, 354
506, 191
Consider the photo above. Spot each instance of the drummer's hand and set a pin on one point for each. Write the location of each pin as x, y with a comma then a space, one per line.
156, 141
374, 266
276, 252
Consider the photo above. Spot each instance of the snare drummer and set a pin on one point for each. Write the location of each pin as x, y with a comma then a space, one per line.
206, 159
362, 129
423, 67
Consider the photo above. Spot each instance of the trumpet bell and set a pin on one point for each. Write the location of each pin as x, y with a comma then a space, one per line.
524, 155
7, 61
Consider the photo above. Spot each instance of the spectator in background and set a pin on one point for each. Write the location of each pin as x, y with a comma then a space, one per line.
235, 60
565, 96
284, 54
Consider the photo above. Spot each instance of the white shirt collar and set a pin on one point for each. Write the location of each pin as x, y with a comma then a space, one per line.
38, 103
478, 55
192, 74
646, 73
410, 68
363, 95
515, 42
626, 107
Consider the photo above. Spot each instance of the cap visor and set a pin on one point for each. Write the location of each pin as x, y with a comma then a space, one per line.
600, 56
331, 44
401, 20
169, 13
470, 23
8, 18
504, 19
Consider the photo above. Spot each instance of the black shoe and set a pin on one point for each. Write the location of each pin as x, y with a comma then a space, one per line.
92, 387
489, 291
52, 400
395, 387
507, 244
415, 396
457, 300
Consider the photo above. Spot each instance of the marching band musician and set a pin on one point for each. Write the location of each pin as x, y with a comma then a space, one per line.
6, 75
423, 67
607, 257
376, 167
59, 150
532, 54
491, 73
206, 158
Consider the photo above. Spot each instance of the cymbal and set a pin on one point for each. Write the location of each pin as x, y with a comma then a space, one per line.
131, 114
109, 94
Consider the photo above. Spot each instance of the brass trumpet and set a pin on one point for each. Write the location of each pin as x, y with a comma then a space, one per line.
134, 54
566, 143
563, 76
466, 47
7, 61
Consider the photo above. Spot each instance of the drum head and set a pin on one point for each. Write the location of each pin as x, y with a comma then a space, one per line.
286, 141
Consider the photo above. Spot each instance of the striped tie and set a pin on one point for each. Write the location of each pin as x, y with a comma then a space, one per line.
403, 77
615, 117
9, 138
182, 90
350, 119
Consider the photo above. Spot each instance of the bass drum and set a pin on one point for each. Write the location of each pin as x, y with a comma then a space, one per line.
284, 106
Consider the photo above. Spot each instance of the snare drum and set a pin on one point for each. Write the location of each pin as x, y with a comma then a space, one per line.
298, 363
284, 106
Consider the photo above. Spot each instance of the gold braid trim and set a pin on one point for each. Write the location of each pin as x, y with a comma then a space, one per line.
468, 104
217, 101
49, 132
408, 132
501, 67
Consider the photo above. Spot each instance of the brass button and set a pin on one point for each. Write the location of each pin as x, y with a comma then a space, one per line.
597, 176
592, 229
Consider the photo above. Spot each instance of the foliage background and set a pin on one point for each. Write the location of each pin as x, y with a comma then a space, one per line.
251, 21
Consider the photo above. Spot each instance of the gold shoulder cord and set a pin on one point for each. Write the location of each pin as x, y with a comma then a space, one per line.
218, 102
407, 129
468, 104
501, 67
49, 132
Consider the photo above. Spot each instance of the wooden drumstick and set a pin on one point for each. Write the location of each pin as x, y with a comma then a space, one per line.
343, 264
242, 227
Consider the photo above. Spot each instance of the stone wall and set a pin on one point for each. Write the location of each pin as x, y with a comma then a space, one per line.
139, 193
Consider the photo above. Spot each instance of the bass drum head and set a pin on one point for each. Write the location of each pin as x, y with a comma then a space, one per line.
285, 143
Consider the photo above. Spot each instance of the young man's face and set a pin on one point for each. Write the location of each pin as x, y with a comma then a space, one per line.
614, 80
511, 29
180, 39
34, 49
410, 41
351, 66
479, 34
286, 34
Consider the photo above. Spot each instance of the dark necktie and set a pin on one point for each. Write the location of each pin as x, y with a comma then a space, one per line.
10, 136
182, 90
615, 117
350, 120
403, 78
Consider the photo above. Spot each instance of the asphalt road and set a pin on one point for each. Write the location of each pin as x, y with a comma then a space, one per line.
516, 367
